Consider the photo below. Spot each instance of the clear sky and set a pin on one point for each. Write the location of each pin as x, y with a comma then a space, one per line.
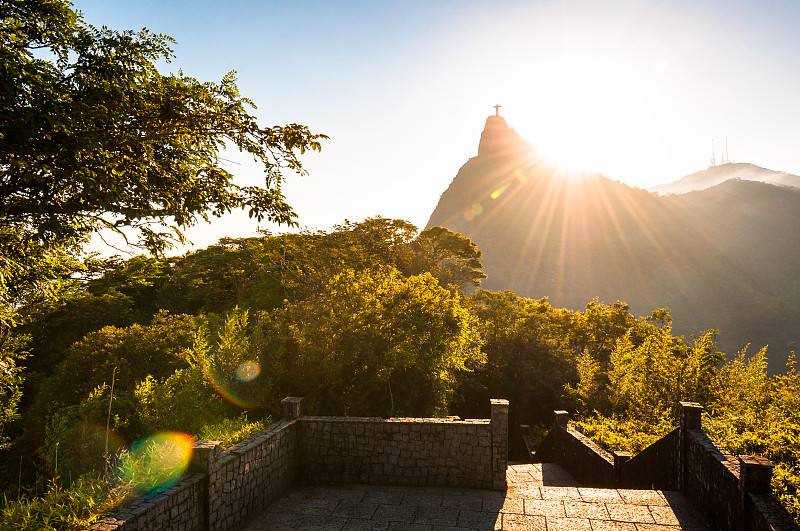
636, 90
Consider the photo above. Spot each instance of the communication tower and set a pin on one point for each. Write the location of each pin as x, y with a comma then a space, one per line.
713, 160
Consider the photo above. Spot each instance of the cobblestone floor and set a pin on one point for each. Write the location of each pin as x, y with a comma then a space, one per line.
540, 497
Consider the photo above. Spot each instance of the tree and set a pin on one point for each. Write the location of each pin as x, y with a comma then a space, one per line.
374, 343
652, 371
10, 384
528, 359
450, 257
157, 349
92, 136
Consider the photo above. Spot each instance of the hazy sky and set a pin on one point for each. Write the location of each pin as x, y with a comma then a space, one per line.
636, 90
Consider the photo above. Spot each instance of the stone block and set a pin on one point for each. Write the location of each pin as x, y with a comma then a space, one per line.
691, 416
560, 418
205, 456
755, 474
291, 407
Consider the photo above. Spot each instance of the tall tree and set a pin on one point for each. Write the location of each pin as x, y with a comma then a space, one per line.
374, 342
92, 136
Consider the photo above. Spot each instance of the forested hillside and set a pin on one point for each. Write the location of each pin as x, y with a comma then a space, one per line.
721, 258
111, 367
370, 318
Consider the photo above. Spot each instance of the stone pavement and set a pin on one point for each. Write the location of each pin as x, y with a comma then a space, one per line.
539, 497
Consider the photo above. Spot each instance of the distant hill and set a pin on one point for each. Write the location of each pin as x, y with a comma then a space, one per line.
726, 257
718, 174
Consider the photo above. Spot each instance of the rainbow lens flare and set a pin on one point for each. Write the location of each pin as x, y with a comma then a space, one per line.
239, 386
156, 462
248, 371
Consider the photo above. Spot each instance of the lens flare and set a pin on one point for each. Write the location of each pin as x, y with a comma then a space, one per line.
248, 371
475, 210
497, 193
240, 385
156, 462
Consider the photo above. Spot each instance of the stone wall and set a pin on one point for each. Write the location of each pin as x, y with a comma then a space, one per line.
444, 452
765, 513
573, 451
250, 475
416, 452
179, 507
734, 494
712, 476
224, 490
655, 467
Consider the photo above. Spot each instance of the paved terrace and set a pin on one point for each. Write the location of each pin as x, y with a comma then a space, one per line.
540, 497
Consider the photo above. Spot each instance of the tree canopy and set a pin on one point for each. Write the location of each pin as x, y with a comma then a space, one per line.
92, 135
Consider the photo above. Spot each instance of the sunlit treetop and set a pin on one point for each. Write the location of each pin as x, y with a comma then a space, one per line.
93, 137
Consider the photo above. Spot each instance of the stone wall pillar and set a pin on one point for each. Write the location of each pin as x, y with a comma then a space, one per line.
560, 418
691, 416
291, 407
755, 475
205, 455
690, 420
499, 426
620, 458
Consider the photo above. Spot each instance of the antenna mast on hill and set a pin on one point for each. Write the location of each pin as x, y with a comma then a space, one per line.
713, 161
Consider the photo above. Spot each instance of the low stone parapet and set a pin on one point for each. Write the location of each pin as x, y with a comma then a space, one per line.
583, 458
224, 490
733, 493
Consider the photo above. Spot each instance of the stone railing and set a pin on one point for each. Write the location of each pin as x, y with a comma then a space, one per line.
735, 494
571, 449
224, 490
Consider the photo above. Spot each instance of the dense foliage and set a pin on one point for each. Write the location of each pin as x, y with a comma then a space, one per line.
368, 318
93, 137
125, 361
747, 410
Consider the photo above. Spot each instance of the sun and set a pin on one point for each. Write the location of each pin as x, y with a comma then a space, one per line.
595, 115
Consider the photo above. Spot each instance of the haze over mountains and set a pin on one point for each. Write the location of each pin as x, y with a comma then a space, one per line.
718, 174
726, 256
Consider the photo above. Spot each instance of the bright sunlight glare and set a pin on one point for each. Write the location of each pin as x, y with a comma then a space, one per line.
596, 116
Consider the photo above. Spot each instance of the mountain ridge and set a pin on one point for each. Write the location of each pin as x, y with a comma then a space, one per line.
719, 258
714, 175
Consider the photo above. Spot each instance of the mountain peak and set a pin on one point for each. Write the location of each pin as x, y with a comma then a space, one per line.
715, 175
497, 136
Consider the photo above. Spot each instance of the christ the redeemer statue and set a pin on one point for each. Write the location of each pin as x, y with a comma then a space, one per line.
497, 110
